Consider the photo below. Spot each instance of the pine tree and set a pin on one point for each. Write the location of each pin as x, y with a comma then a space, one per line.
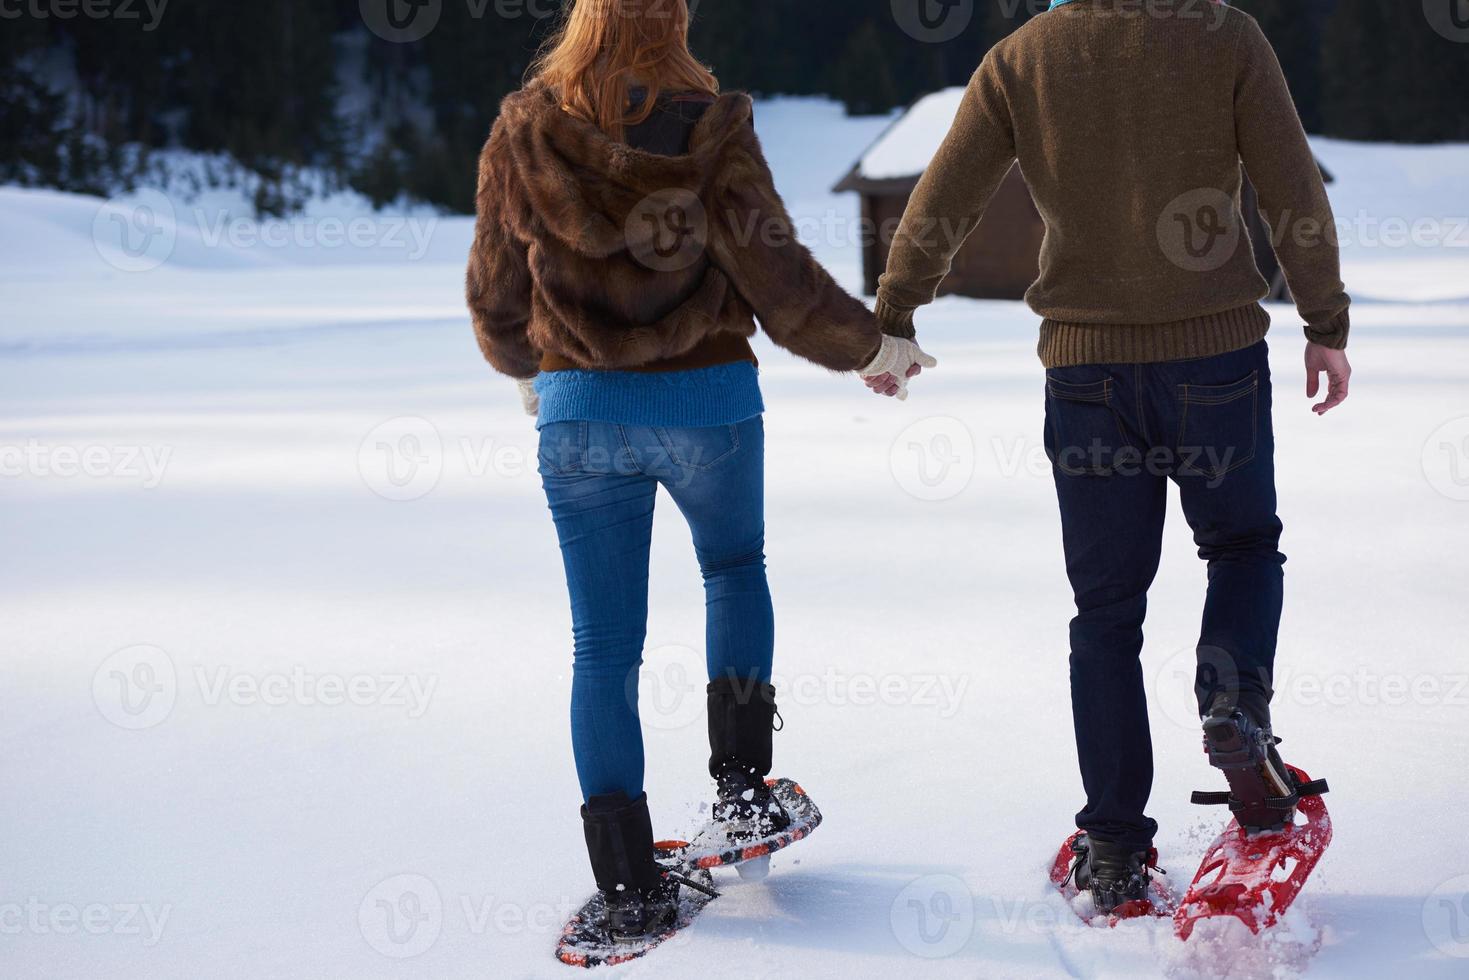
258, 80
1294, 29
1008, 16
862, 74
1390, 76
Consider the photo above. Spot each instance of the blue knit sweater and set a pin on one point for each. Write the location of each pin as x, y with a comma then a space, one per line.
724, 394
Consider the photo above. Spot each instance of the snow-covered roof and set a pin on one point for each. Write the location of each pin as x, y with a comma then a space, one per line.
909, 145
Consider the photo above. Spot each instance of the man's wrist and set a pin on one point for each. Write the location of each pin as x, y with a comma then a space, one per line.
1333, 333
895, 321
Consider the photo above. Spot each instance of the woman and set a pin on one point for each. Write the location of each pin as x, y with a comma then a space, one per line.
629, 235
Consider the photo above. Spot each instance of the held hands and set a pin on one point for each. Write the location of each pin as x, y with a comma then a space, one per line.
529, 400
1338, 375
897, 361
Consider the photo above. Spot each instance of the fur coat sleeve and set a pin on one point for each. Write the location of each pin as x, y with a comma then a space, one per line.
796, 300
498, 285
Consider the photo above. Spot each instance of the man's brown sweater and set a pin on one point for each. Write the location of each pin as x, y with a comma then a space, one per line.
1130, 121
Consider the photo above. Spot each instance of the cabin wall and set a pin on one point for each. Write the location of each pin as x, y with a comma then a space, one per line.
999, 261
1003, 256
881, 215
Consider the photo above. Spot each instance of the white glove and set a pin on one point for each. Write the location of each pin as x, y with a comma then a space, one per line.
897, 357
529, 400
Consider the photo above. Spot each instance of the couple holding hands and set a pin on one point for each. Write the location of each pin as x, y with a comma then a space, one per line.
636, 361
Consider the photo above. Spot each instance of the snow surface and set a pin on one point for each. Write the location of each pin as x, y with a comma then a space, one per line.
256, 417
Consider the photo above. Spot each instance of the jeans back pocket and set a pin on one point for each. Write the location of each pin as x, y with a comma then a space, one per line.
1219, 428
563, 448
702, 448
1084, 434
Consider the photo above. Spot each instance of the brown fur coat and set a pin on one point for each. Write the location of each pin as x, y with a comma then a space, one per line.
614, 258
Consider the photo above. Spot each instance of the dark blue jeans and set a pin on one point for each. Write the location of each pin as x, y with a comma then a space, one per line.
1116, 435
601, 481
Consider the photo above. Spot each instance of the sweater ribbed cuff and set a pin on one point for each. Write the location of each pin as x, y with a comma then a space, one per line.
1333, 333
895, 322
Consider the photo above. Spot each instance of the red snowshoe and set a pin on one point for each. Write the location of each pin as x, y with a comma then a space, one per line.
1144, 895
1260, 864
1256, 877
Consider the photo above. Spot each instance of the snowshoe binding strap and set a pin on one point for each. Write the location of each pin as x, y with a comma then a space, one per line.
1207, 798
1282, 805
1079, 850
1316, 787
688, 882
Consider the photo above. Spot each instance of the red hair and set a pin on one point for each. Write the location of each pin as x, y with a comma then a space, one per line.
605, 48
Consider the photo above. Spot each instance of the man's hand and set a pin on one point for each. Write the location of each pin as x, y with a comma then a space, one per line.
897, 361
1338, 375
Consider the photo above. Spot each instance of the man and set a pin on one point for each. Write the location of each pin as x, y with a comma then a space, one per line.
1130, 123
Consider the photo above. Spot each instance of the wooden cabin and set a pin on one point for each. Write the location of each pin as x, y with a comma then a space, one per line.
1002, 258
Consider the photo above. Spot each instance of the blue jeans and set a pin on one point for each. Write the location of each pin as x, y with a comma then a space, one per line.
1116, 435
601, 480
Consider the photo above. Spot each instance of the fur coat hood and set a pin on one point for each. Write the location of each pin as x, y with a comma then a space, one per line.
615, 258
582, 186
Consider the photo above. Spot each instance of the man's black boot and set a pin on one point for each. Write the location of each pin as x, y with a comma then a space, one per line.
1115, 874
1263, 791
